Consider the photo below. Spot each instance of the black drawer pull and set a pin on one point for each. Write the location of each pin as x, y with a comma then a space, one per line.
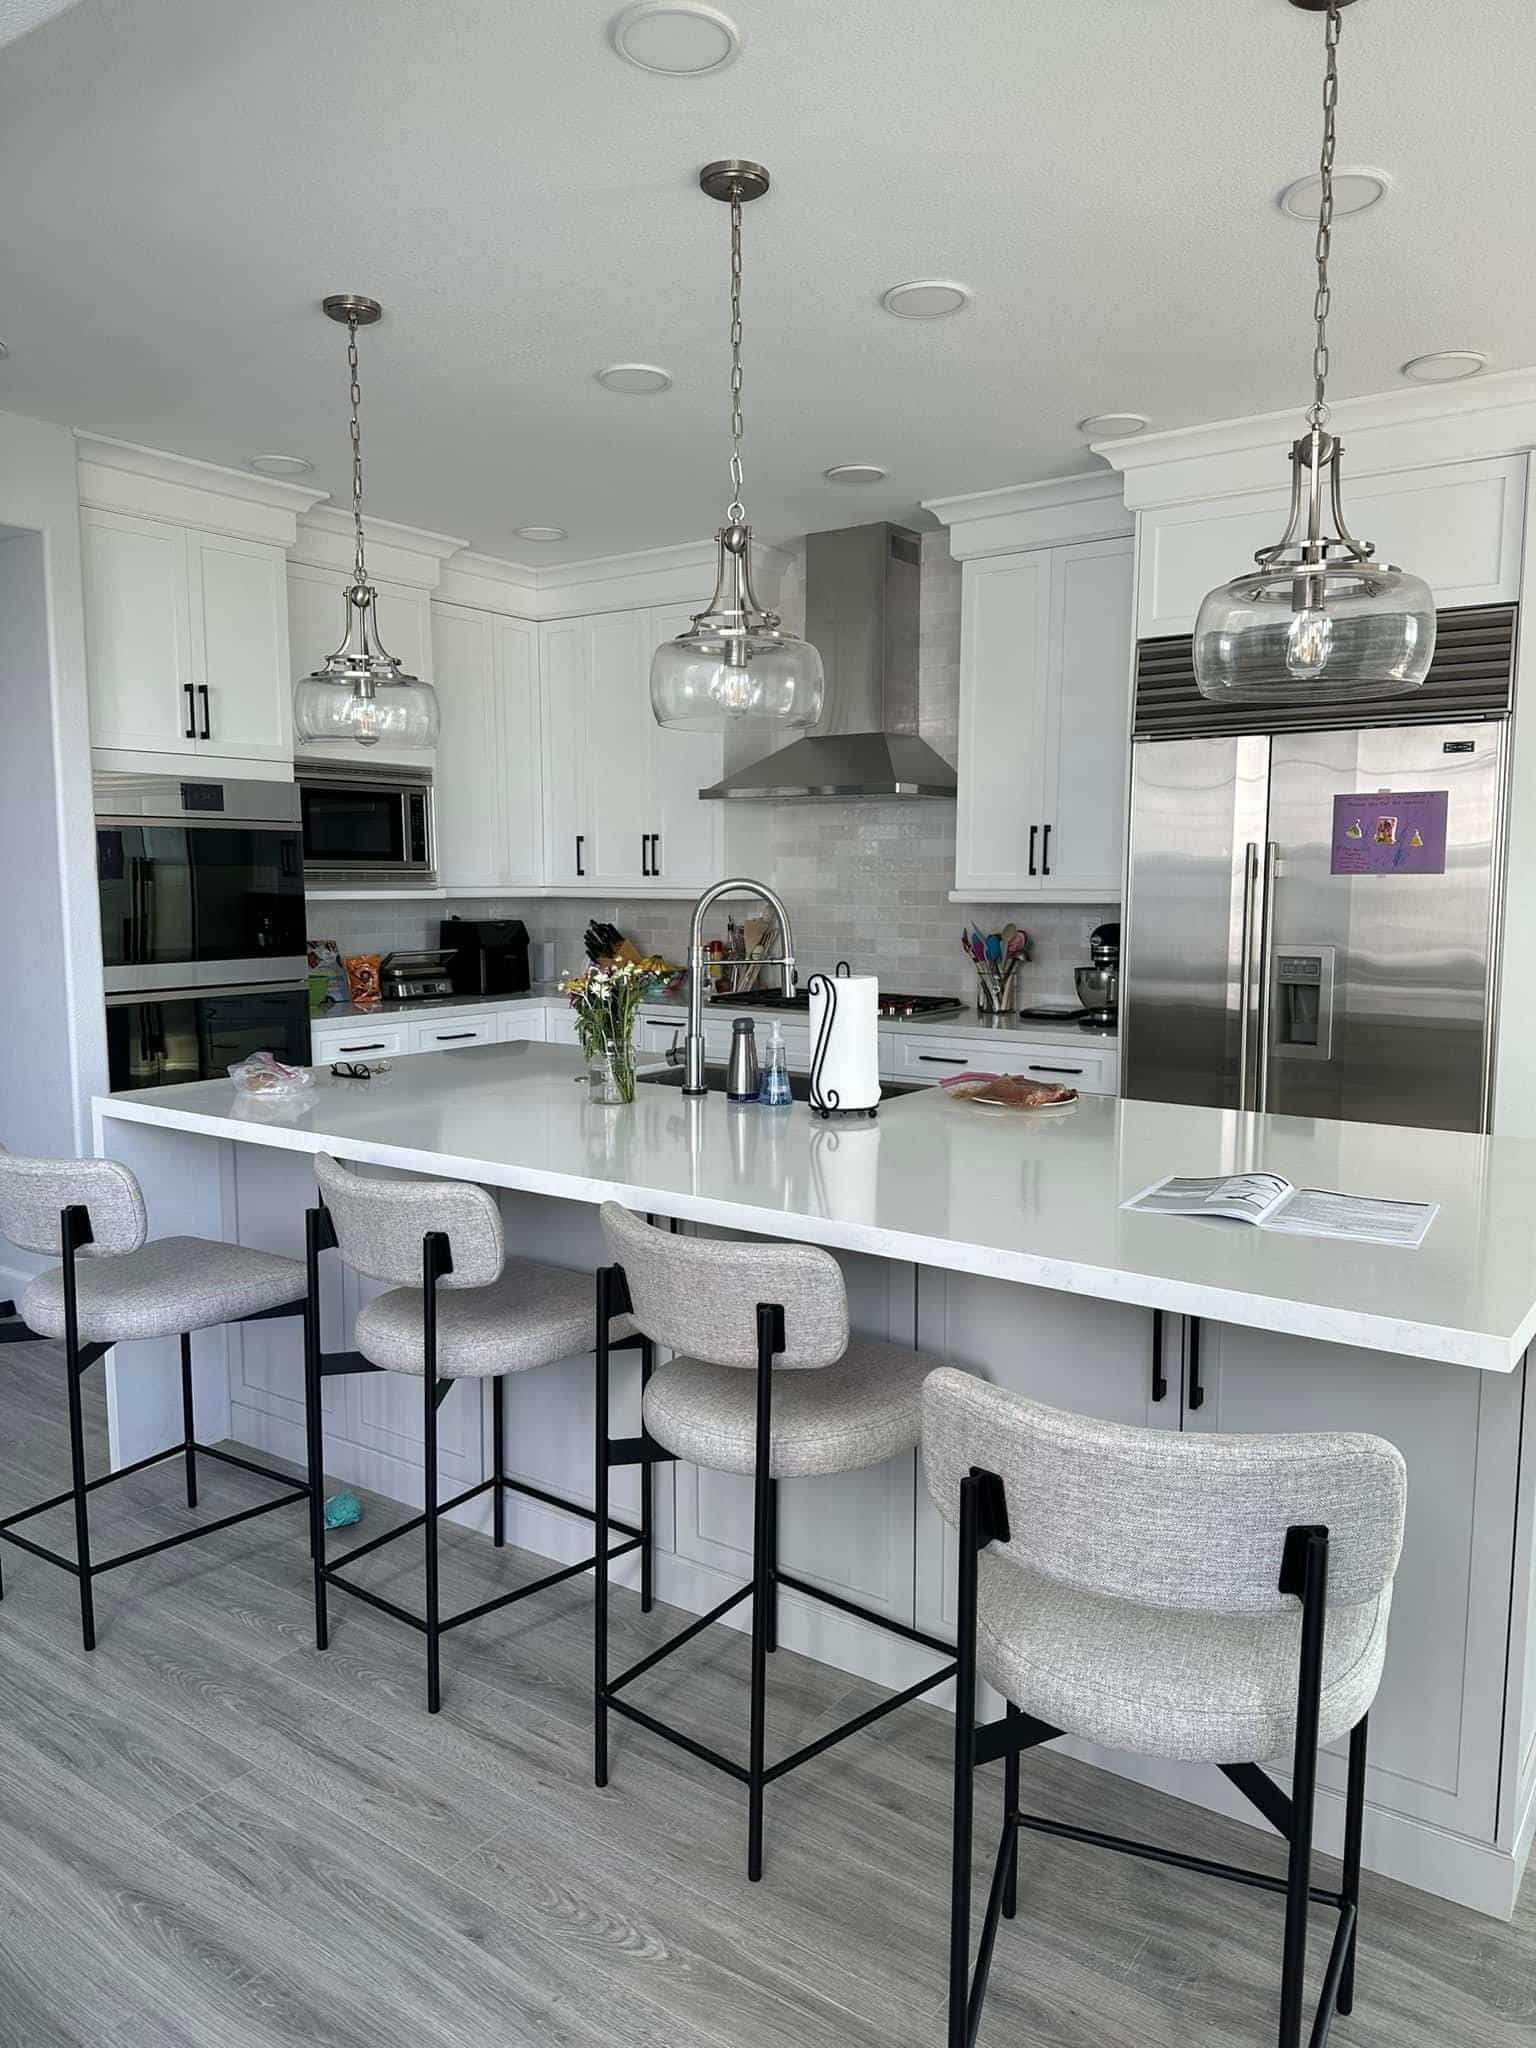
1196, 1384
378, 1045
1055, 1070
1159, 1377
443, 1037
941, 1059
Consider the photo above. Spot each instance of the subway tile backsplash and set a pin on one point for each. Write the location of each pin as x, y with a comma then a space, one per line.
867, 882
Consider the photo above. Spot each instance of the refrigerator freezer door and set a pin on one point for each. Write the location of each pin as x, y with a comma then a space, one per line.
1379, 980
1190, 976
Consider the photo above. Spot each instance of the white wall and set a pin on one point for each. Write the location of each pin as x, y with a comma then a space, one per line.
52, 1031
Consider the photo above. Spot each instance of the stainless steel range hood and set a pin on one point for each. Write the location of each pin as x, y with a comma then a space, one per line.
861, 613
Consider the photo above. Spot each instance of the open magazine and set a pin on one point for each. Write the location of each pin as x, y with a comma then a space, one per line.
1274, 1203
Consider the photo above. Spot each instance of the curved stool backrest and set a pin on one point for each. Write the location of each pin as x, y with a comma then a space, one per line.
380, 1225
700, 1295
1163, 1520
34, 1191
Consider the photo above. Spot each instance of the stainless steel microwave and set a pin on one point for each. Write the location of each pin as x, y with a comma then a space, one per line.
364, 824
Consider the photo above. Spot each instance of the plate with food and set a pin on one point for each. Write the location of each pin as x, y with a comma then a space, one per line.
1010, 1095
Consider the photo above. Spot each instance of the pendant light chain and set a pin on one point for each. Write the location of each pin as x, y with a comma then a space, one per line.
1317, 412
360, 570
736, 511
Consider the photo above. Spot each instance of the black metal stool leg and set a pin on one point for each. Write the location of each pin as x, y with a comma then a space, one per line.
435, 1261
1305, 1573
770, 1339
314, 1425
1354, 1825
188, 1437
773, 1565
75, 1230
498, 1462
600, 1532
647, 1492
959, 2034
1010, 1809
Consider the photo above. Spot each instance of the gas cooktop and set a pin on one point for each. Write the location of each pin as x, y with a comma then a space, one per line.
891, 1006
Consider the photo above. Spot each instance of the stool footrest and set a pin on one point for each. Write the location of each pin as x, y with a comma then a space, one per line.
870, 1714
694, 1628
1150, 1852
332, 1574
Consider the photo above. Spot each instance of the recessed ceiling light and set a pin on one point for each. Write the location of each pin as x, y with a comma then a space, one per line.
682, 38
926, 298
1353, 191
1445, 366
854, 473
1110, 426
539, 532
280, 465
638, 380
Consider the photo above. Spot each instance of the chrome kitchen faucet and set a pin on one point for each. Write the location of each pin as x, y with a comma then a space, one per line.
739, 885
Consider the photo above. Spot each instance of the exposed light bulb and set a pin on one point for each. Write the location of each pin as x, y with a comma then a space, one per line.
1309, 642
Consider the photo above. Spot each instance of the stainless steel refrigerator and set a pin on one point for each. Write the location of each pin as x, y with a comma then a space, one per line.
1312, 913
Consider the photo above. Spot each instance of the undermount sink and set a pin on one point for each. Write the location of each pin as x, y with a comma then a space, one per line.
799, 1084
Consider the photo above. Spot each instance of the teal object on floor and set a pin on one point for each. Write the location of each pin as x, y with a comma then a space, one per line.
342, 1510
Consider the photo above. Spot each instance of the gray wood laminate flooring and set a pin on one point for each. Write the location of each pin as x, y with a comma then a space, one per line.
212, 1836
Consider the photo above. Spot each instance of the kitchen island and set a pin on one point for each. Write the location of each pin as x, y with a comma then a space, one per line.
995, 1242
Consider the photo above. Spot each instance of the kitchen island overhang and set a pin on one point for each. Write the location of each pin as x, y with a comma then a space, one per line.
999, 1244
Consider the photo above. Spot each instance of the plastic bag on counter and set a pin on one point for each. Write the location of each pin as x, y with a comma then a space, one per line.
266, 1079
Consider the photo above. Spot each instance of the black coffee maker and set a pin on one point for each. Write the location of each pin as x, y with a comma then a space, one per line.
489, 955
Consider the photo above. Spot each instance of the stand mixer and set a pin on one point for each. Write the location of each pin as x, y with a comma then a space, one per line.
1098, 984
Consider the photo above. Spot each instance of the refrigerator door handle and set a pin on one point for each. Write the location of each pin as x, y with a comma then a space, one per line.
1267, 969
1245, 974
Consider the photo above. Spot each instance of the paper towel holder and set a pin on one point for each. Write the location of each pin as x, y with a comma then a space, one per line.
827, 1104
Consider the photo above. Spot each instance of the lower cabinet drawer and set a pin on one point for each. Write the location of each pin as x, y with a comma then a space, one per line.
360, 1039
1091, 1072
444, 1034
527, 1023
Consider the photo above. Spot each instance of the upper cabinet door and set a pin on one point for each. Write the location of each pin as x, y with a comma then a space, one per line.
470, 815
569, 743
1005, 650
621, 740
687, 851
239, 616
138, 634
1088, 719
316, 622
1457, 525
518, 752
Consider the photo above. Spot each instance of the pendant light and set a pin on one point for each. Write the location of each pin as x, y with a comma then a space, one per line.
360, 692
1317, 613
736, 662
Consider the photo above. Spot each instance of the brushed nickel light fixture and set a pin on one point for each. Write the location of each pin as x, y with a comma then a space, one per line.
360, 692
1317, 610
735, 662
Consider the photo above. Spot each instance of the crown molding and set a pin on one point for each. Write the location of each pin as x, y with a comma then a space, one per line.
400, 554
120, 476
490, 585
1043, 514
1414, 427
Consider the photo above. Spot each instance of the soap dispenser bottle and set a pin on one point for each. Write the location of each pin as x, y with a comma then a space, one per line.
773, 1092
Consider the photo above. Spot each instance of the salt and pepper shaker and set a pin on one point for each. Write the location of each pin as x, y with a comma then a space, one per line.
742, 1074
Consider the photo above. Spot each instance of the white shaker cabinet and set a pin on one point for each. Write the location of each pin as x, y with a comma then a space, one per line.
489, 827
688, 849
1045, 664
316, 622
186, 636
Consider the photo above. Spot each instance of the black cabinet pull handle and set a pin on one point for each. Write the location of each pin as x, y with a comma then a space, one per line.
581, 840
191, 731
202, 691
645, 853
941, 1059
1055, 1070
377, 1045
1196, 1384
443, 1037
655, 855
1159, 1377
1034, 834
1045, 851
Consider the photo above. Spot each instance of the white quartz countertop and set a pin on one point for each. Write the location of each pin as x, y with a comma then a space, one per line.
941, 1184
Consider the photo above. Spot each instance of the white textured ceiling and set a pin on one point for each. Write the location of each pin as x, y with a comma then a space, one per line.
184, 179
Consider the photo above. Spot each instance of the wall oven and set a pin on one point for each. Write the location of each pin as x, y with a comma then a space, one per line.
367, 825
201, 889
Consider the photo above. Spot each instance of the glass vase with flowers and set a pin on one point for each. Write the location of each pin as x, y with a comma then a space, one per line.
606, 999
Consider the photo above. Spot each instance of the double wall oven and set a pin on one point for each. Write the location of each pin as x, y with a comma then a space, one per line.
201, 887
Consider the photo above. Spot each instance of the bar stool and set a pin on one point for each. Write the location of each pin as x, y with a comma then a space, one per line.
458, 1309
1216, 1599
770, 1383
115, 1285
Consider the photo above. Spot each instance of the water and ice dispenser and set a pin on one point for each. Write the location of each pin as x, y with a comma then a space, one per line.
1303, 1002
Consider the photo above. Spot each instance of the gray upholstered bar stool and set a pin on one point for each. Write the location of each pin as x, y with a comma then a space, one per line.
769, 1382
458, 1309
1219, 1599
115, 1284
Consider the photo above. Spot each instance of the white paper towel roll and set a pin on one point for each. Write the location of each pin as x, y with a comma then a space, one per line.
845, 1042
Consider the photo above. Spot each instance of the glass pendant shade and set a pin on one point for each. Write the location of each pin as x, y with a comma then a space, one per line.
736, 662
362, 694
1274, 632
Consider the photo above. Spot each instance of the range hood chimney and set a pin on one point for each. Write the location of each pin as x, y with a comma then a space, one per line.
861, 614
